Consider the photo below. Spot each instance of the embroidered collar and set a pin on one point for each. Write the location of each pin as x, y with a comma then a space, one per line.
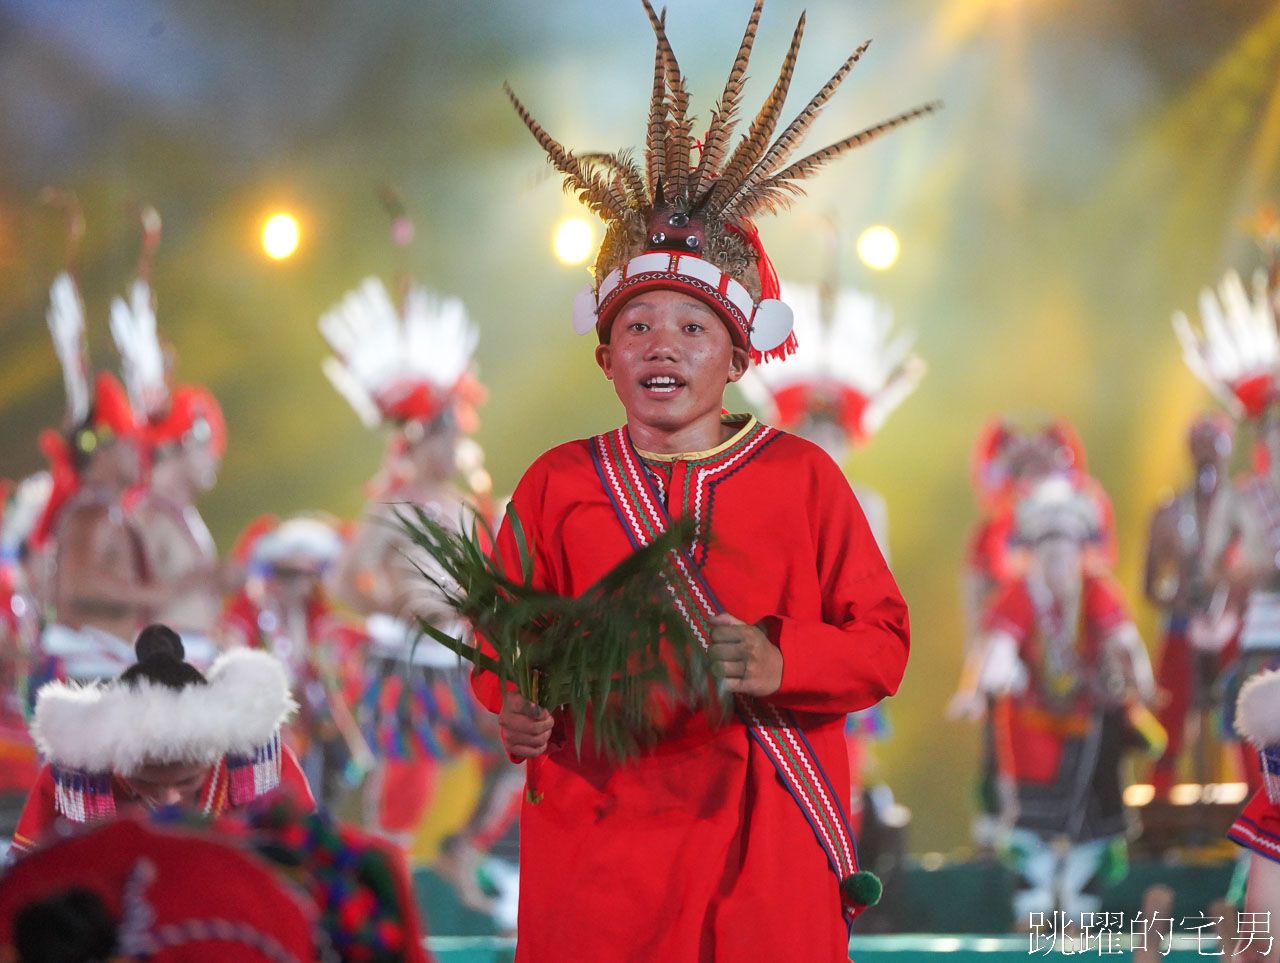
746, 422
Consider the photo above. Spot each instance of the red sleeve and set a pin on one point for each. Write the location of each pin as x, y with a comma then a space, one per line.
856, 652
1258, 827
39, 814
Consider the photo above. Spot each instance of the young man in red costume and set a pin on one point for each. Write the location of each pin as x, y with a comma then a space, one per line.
727, 839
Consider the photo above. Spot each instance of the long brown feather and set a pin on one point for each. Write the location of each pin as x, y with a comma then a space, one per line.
785, 179
593, 190
794, 131
625, 166
655, 149
752, 146
725, 117
678, 143
614, 187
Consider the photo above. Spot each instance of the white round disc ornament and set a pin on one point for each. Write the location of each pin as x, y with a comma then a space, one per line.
770, 324
584, 310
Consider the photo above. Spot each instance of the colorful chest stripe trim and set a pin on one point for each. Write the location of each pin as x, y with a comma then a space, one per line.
643, 515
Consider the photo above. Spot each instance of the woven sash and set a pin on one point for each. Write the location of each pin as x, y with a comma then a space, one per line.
644, 516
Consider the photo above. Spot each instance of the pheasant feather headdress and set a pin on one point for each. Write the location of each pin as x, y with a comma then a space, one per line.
677, 223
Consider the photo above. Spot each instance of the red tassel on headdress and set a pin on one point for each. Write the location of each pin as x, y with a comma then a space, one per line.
111, 408
770, 287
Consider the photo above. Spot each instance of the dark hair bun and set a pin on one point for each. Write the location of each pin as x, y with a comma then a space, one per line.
158, 641
160, 652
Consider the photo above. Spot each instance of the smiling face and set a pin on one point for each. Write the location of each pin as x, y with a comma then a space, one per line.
669, 357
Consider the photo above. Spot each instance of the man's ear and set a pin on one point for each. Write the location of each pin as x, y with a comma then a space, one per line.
604, 358
739, 361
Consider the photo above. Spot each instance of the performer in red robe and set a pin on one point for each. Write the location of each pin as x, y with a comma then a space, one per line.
695, 851
161, 735
723, 841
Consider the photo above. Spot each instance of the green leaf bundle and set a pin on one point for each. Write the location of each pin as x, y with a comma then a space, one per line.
612, 654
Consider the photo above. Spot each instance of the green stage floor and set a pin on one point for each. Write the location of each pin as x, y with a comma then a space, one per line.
864, 949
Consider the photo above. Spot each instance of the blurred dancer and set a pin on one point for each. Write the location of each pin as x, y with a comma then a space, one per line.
409, 365
1069, 673
186, 438
283, 608
1199, 621
1236, 352
1008, 461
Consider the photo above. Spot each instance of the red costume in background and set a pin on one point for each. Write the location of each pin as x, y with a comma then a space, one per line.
1041, 732
694, 851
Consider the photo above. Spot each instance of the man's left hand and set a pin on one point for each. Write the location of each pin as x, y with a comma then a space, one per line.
743, 656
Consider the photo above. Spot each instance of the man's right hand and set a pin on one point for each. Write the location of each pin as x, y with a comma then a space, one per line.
526, 728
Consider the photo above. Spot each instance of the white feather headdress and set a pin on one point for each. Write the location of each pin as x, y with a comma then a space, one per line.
851, 364
391, 364
133, 328
118, 727
1236, 352
66, 325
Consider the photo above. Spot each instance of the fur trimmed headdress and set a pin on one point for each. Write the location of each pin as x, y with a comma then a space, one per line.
118, 727
1258, 720
160, 711
686, 225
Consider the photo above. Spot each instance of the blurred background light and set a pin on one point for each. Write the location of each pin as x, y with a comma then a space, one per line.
280, 236
878, 248
574, 240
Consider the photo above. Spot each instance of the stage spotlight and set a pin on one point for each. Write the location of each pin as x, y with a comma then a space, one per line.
280, 236
574, 240
878, 248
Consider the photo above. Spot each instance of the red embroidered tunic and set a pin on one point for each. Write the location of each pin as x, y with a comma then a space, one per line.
40, 819
694, 851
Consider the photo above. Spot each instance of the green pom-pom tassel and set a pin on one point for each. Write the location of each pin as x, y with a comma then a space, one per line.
862, 888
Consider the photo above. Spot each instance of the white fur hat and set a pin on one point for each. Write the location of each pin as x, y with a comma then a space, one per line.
1258, 709
118, 727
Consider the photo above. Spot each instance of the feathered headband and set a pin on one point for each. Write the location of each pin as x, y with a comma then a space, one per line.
119, 726
850, 368
1236, 352
688, 226
399, 365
